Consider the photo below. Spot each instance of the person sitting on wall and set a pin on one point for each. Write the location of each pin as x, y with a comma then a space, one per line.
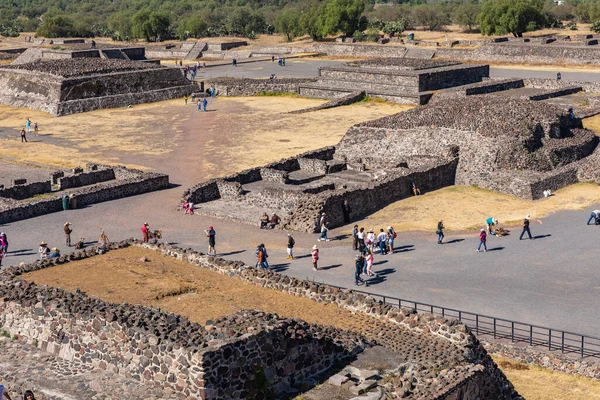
43, 251
80, 244
264, 221
275, 220
54, 253
416, 191
571, 113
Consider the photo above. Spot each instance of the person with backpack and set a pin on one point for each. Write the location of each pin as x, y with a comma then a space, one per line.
290, 247
359, 262
315, 257
260, 258
265, 255
526, 228
440, 231
391, 237
482, 240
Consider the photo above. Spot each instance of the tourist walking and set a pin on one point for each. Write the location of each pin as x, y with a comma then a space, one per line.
185, 99
260, 258
290, 247
210, 234
595, 215
490, 223
526, 228
323, 224
440, 231
199, 105
204, 103
36, 130
359, 262
145, 231
4, 393
315, 257
68, 230
391, 238
23, 136
43, 250
361, 238
265, 254
382, 239
482, 240
369, 259
355, 237
3, 243
28, 125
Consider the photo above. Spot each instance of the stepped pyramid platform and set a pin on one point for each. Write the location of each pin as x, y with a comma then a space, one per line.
401, 80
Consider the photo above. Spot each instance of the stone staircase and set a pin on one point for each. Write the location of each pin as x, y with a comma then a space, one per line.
196, 51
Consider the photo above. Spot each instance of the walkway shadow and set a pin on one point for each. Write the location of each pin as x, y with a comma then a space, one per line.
279, 267
329, 267
302, 256
374, 280
341, 237
231, 253
454, 241
22, 254
386, 271
18, 251
496, 248
403, 249
380, 262
542, 236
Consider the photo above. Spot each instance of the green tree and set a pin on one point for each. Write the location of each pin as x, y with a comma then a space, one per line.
344, 16
288, 23
595, 27
465, 15
192, 26
119, 24
245, 22
62, 26
393, 28
150, 25
432, 16
311, 22
499, 17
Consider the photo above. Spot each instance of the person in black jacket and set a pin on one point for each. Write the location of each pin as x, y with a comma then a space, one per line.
526, 228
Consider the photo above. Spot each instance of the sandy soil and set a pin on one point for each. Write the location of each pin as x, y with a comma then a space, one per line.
182, 288
535, 383
466, 208
592, 123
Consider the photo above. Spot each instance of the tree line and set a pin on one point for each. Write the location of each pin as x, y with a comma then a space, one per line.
363, 19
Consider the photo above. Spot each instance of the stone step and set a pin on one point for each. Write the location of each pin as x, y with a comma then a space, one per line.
362, 85
322, 92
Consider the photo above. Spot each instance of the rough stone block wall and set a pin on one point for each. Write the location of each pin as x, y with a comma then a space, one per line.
313, 165
24, 89
20, 192
553, 84
274, 175
269, 197
408, 79
342, 101
444, 77
229, 190
202, 193
85, 179
253, 87
322, 92
360, 50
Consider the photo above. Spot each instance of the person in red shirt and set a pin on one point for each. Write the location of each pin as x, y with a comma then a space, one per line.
145, 230
315, 257
482, 240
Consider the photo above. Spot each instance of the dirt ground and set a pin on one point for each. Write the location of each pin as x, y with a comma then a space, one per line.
535, 383
243, 131
179, 287
467, 207
592, 123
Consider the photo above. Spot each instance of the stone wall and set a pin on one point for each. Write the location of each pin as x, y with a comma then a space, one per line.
128, 183
351, 98
253, 87
553, 84
485, 87
21, 192
525, 53
359, 50
24, 89
86, 178
274, 175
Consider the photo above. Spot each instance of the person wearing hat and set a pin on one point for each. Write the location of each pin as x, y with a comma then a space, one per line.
526, 228
290, 247
315, 257
490, 222
68, 231
3, 244
54, 253
43, 250
145, 231
482, 240
370, 240
210, 234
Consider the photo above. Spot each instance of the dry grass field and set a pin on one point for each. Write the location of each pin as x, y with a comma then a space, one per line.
535, 383
467, 207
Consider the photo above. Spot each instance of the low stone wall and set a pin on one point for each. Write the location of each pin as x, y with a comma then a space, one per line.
359, 50
274, 175
86, 178
485, 87
351, 98
553, 84
313, 165
128, 183
21, 192
253, 87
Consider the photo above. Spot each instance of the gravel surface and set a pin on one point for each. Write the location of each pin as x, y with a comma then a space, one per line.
82, 66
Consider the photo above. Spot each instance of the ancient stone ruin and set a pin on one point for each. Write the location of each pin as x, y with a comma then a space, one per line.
514, 146
72, 85
250, 354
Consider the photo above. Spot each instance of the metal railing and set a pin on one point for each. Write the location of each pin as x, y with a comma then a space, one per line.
501, 328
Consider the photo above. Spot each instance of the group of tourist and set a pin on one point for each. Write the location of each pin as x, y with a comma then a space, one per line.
269, 223
28, 129
27, 395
